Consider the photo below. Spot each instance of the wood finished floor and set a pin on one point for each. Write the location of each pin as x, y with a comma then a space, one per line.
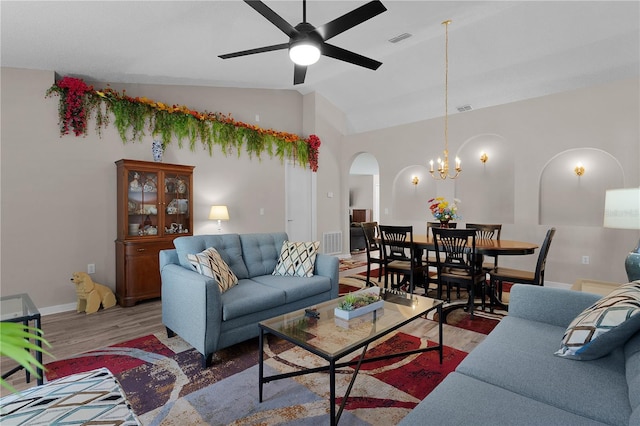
71, 333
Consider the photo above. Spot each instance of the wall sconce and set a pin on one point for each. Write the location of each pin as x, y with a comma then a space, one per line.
484, 157
415, 180
219, 213
579, 169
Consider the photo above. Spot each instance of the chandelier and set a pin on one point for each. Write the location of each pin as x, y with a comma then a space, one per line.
443, 164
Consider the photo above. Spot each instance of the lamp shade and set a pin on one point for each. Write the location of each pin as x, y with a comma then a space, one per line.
622, 208
219, 213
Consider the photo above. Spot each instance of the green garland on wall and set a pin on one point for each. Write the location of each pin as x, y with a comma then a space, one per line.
133, 117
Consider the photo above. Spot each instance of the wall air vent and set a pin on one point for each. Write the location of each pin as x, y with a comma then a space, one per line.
399, 38
464, 108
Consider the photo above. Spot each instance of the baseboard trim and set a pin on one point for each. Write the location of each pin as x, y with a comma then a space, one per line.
557, 285
50, 310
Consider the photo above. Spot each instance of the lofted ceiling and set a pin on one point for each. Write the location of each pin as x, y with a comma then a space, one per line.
499, 52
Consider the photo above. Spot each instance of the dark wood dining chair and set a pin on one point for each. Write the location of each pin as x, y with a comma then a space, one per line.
456, 257
518, 276
374, 253
486, 231
431, 276
401, 256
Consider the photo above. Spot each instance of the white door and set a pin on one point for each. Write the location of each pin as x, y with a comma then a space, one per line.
299, 198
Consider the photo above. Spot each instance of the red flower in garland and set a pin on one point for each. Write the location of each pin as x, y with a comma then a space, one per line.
74, 91
314, 144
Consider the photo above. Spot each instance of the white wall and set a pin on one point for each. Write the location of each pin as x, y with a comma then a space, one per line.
58, 195
605, 118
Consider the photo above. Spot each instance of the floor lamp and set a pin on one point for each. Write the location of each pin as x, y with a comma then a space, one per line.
622, 211
219, 213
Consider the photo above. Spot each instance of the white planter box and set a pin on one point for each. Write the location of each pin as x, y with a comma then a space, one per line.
339, 313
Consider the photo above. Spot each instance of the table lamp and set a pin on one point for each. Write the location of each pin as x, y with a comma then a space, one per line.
219, 213
622, 211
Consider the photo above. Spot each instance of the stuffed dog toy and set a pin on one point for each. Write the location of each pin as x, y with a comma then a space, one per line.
91, 295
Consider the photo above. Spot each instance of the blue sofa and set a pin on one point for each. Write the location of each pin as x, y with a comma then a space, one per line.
195, 309
514, 378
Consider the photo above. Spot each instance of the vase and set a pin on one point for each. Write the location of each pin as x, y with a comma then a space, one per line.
157, 151
444, 224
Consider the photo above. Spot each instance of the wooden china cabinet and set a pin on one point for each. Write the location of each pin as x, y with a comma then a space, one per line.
155, 205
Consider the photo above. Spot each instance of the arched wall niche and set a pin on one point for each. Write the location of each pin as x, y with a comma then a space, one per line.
563, 194
364, 184
486, 190
409, 201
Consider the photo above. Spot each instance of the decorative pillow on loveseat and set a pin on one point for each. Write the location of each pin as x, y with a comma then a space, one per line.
297, 259
209, 263
603, 326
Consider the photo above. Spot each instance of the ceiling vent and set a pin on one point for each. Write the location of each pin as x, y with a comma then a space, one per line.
399, 38
464, 108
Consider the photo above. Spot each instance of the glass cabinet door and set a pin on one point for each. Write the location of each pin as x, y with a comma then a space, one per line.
176, 204
142, 200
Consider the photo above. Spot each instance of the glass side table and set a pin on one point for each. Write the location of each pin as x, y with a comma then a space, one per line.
20, 308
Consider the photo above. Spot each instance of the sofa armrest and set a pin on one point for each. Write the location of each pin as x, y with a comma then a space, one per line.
327, 266
191, 306
548, 305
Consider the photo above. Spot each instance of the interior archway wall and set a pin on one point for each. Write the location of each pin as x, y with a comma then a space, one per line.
409, 201
563, 195
486, 190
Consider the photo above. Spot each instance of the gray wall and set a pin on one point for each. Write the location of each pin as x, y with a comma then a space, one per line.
528, 183
58, 194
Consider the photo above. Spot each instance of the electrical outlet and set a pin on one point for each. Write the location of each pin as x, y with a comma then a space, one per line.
91, 268
585, 260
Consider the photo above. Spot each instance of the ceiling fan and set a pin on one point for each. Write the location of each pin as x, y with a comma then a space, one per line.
307, 43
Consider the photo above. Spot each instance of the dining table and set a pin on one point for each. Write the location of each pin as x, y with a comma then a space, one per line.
484, 247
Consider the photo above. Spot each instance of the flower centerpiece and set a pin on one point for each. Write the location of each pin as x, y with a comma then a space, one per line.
359, 303
443, 210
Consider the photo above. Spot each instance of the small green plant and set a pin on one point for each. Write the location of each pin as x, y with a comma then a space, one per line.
354, 301
15, 344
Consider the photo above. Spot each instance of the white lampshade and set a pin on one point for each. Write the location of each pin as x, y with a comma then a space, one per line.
219, 213
304, 53
622, 208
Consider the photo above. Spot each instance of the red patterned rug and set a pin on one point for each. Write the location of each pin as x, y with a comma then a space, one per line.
166, 385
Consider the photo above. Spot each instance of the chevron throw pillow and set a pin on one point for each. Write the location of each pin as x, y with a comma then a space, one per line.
209, 263
604, 326
297, 259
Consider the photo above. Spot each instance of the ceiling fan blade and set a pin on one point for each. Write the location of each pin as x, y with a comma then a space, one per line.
351, 19
273, 17
254, 51
299, 73
348, 56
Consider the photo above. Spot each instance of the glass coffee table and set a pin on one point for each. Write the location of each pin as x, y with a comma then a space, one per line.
20, 308
317, 330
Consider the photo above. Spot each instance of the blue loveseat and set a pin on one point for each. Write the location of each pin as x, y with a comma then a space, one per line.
514, 378
194, 307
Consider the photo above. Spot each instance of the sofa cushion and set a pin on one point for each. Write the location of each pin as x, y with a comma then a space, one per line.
296, 288
297, 259
463, 400
518, 356
261, 251
632, 357
248, 297
210, 264
228, 245
603, 326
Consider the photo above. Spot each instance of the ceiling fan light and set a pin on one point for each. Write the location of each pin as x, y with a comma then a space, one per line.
304, 53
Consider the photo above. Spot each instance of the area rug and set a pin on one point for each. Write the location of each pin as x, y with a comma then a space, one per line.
165, 384
346, 264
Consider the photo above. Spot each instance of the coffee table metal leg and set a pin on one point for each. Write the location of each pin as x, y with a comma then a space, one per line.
332, 393
39, 371
439, 310
260, 364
